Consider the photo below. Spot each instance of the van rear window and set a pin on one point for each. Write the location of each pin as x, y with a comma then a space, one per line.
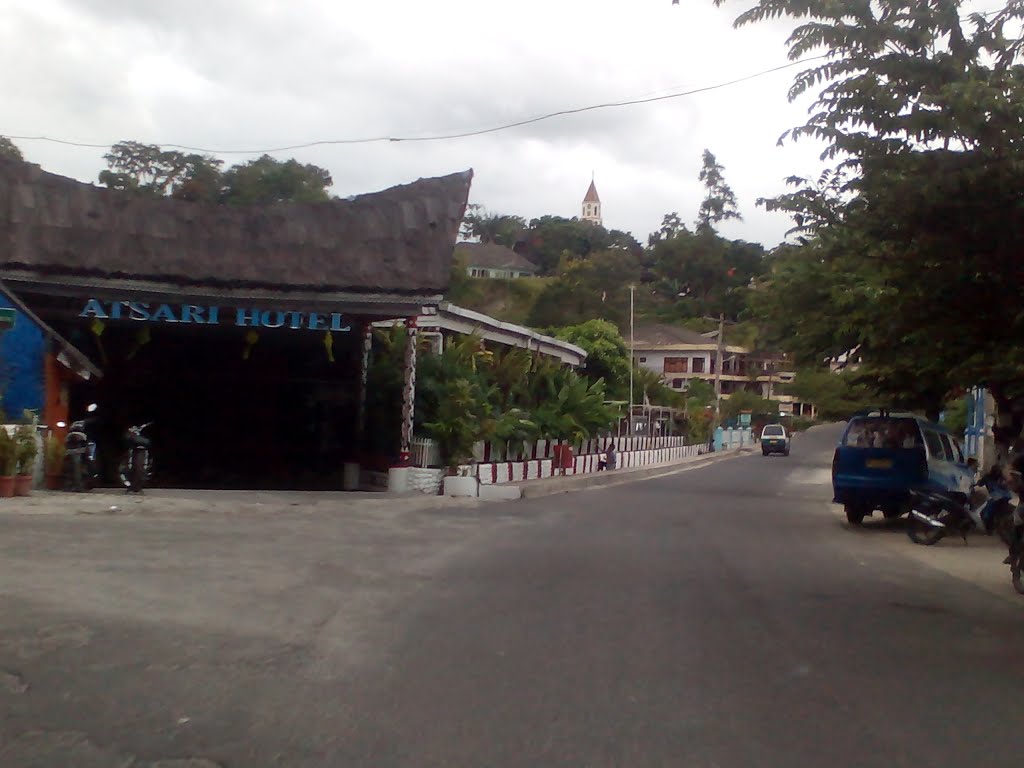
883, 432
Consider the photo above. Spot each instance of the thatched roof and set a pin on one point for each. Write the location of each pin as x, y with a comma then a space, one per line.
491, 256
399, 241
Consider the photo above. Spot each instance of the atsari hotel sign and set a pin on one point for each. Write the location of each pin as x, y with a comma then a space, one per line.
195, 314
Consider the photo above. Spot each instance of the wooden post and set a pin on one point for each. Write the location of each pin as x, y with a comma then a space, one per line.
409, 392
364, 371
718, 369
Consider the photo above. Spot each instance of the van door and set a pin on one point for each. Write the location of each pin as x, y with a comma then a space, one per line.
961, 476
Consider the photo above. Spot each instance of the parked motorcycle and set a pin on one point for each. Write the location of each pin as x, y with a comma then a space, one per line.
935, 514
81, 466
1015, 559
136, 466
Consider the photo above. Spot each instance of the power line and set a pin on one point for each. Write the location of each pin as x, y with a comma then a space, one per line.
447, 136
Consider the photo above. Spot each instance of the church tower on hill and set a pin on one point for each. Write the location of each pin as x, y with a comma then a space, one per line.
592, 206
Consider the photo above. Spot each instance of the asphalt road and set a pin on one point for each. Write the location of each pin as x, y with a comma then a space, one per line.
723, 616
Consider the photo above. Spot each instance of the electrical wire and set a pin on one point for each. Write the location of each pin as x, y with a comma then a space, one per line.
465, 134
447, 136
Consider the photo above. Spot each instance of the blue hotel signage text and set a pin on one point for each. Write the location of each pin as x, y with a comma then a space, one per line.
193, 314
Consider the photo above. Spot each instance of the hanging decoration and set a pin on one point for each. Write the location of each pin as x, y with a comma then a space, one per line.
97, 327
142, 338
329, 346
250, 341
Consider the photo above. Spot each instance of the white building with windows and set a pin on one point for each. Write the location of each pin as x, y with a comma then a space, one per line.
493, 261
680, 355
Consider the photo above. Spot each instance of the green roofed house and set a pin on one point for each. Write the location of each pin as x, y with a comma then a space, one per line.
493, 261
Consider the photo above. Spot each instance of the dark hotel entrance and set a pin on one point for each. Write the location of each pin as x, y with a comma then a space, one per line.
230, 407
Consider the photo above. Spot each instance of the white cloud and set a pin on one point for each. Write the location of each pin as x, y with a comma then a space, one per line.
234, 74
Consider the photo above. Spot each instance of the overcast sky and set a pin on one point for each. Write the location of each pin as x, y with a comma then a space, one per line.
228, 74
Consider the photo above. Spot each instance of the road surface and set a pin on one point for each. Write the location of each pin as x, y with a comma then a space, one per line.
722, 616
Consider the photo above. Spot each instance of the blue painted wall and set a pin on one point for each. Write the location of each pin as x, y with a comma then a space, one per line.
21, 366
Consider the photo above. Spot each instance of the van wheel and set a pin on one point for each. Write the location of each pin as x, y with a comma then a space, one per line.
855, 514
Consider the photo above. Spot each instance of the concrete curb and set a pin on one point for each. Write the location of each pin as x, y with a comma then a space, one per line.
532, 489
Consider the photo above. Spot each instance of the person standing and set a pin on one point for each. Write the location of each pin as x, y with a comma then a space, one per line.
611, 457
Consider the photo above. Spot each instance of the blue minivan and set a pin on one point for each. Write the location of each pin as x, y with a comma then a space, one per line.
882, 455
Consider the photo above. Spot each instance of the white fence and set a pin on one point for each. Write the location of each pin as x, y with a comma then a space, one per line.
426, 453
531, 469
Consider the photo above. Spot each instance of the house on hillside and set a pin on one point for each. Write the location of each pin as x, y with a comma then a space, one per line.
680, 355
493, 261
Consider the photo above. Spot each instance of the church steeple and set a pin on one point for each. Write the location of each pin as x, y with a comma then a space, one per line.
592, 205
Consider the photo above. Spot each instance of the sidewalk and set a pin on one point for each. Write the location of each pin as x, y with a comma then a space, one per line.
181, 502
980, 561
568, 483
188, 502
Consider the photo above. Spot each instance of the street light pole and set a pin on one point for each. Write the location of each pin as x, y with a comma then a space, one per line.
718, 370
632, 362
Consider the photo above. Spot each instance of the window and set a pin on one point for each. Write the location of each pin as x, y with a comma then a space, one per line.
774, 430
947, 448
677, 383
934, 444
959, 450
698, 365
676, 364
643, 359
878, 432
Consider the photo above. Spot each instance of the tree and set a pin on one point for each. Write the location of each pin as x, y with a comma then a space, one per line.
704, 273
922, 110
607, 355
837, 396
700, 392
268, 180
591, 288
719, 200
150, 170
671, 226
551, 240
492, 227
9, 149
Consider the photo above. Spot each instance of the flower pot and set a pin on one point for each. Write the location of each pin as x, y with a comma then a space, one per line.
23, 485
6, 486
53, 481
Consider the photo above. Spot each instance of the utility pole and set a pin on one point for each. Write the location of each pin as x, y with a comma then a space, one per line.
632, 362
718, 369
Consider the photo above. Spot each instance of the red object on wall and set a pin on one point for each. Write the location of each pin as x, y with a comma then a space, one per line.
563, 457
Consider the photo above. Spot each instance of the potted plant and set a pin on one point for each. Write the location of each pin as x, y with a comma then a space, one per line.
457, 428
25, 451
53, 454
8, 463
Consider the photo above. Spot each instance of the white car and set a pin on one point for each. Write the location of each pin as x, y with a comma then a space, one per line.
774, 440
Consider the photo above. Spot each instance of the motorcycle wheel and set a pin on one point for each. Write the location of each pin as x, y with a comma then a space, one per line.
1015, 573
922, 533
124, 471
139, 467
1003, 528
